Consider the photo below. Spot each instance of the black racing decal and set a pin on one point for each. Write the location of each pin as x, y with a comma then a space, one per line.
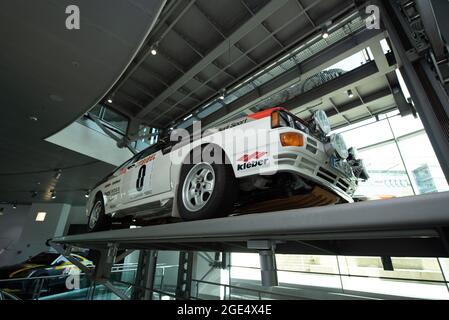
233, 125
252, 164
141, 178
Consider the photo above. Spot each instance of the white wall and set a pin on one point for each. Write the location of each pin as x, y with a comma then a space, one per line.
77, 215
11, 225
34, 234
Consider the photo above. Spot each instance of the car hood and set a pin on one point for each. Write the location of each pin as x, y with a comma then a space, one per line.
14, 271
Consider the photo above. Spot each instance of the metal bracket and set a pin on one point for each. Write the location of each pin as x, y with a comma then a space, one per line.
66, 251
268, 268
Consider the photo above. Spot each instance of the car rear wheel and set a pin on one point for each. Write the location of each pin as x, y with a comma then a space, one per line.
98, 220
206, 191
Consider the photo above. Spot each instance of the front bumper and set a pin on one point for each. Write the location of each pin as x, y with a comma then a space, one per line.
312, 163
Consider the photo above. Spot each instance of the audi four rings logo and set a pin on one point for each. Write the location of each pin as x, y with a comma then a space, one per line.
252, 161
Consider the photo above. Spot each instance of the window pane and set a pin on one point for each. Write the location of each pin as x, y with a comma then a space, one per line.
388, 177
305, 263
115, 119
96, 111
404, 125
368, 135
422, 164
404, 268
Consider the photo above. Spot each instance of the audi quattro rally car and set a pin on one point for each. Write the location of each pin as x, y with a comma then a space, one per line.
269, 157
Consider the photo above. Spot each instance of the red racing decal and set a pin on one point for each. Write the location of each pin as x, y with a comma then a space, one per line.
256, 155
264, 114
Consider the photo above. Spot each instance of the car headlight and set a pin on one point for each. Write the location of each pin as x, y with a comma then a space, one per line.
322, 122
338, 144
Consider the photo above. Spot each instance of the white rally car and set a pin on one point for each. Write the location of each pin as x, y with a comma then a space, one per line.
265, 160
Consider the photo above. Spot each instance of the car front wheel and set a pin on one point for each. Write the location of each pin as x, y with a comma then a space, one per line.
98, 220
206, 191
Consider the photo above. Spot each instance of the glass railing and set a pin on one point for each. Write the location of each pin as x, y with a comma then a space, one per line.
71, 286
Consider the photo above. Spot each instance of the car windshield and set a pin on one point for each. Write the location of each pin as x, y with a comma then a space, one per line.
43, 258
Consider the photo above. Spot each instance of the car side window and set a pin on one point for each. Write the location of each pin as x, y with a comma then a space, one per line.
123, 166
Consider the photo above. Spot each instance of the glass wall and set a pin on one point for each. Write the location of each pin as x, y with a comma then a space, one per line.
398, 155
421, 278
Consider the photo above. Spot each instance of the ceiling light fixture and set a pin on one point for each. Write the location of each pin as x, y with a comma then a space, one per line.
33, 118
325, 33
33, 194
350, 94
154, 48
53, 194
110, 100
87, 194
58, 174
14, 206
222, 94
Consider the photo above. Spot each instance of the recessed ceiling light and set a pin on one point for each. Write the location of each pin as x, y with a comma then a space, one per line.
153, 49
56, 98
110, 100
40, 217
58, 173
34, 118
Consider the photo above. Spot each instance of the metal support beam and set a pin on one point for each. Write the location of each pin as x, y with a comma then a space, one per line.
268, 269
403, 227
145, 275
365, 71
428, 103
314, 64
263, 14
364, 101
337, 15
185, 269
66, 252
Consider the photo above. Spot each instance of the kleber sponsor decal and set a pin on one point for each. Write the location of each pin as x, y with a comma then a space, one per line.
251, 161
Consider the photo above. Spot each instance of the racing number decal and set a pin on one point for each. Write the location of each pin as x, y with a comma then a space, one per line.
141, 178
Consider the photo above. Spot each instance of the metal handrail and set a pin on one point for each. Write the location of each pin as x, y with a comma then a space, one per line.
352, 275
6, 294
60, 276
259, 292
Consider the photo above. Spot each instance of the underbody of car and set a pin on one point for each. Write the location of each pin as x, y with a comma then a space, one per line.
271, 158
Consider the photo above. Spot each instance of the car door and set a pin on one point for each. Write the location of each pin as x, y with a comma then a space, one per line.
113, 188
147, 176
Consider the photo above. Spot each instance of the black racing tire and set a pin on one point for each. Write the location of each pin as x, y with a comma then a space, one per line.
220, 202
103, 222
